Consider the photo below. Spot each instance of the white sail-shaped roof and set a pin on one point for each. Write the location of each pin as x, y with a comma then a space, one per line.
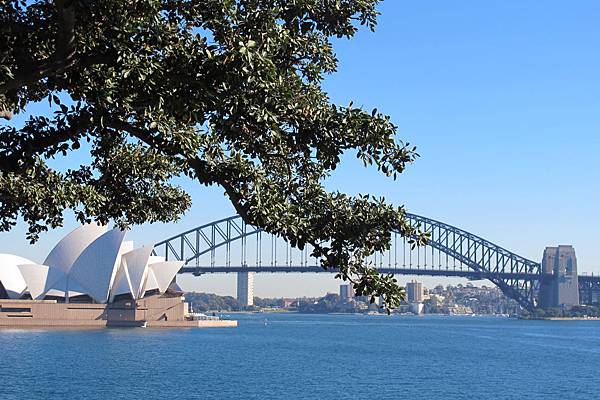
137, 267
151, 282
122, 283
10, 275
96, 267
62, 257
126, 247
164, 272
132, 270
64, 254
36, 277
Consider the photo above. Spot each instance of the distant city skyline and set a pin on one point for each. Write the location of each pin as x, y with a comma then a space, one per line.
502, 101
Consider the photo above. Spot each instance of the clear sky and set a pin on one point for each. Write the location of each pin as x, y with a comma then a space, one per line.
502, 99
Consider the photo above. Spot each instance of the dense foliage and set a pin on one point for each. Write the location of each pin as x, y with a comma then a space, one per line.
225, 92
202, 302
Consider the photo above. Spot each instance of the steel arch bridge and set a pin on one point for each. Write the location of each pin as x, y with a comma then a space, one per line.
230, 245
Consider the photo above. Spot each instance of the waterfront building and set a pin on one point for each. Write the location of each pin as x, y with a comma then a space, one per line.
93, 277
287, 303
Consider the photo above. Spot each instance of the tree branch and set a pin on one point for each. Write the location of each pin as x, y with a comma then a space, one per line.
53, 68
15, 154
65, 40
62, 59
145, 136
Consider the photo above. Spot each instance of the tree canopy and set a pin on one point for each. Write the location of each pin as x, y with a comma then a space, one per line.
225, 92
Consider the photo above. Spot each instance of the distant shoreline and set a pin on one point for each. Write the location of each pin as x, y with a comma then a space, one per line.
365, 314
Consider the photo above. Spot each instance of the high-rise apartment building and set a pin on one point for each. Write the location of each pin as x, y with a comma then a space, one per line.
346, 291
414, 292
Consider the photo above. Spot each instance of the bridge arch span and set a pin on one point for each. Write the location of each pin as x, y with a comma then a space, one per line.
516, 276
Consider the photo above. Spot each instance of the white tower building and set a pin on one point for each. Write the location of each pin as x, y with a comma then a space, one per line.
245, 288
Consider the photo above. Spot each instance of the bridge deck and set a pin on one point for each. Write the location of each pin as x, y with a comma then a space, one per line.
470, 274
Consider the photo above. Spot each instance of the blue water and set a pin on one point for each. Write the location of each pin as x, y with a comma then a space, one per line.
309, 357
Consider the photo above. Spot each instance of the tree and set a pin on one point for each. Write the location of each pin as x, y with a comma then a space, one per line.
225, 92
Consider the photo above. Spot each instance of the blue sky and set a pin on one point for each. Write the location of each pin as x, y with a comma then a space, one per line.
502, 99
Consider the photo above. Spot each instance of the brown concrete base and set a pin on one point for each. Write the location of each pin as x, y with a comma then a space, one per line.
39, 323
156, 311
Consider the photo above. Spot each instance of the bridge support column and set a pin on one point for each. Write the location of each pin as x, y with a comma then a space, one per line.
562, 290
245, 288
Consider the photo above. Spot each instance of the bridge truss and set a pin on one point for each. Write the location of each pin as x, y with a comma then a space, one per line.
230, 245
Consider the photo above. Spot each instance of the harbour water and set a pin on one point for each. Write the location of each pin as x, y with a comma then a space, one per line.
292, 356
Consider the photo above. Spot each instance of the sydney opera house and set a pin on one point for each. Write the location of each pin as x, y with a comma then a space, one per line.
93, 277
